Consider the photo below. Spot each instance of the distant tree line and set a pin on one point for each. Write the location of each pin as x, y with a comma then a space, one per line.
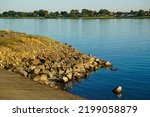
75, 14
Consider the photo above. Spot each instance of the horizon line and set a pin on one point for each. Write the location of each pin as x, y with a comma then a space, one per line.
72, 9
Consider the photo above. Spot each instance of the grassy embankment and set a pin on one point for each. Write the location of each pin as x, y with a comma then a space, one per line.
45, 60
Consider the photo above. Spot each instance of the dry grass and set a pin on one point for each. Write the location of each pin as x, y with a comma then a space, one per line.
30, 46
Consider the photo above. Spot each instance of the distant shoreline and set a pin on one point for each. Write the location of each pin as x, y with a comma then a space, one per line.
103, 17
76, 14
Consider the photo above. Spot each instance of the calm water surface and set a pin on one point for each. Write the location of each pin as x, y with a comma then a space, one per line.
124, 42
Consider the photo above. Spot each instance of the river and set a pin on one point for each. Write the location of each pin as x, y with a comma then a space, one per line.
124, 42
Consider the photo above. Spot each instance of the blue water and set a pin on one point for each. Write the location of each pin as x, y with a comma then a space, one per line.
124, 42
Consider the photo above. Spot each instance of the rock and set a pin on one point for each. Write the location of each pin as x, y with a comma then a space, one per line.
9, 66
77, 75
42, 67
47, 61
37, 78
41, 82
117, 90
99, 65
43, 78
97, 59
37, 71
92, 59
108, 64
95, 63
21, 72
113, 69
76, 57
86, 66
65, 79
52, 83
47, 64
68, 70
45, 72
96, 68
69, 75
56, 65
61, 72
53, 71
50, 75
32, 68
91, 67
36, 62
79, 68
47, 82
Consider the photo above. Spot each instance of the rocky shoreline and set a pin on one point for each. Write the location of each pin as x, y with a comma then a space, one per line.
45, 60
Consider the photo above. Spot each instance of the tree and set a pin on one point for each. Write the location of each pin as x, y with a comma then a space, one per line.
45, 13
84, 12
118, 14
74, 13
64, 13
42, 13
54, 15
131, 12
51, 15
57, 14
35, 14
92, 13
21, 14
30, 14
12, 13
9, 14
5, 14
104, 12
141, 13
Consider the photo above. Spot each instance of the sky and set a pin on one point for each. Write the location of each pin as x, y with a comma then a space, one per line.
61, 5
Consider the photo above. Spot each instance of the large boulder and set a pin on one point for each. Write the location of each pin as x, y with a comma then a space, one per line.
21, 72
92, 59
117, 90
9, 66
68, 70
37, 71
77, 75
108, 64
79, 68
37, 78
65, 79
69, 75
43, 78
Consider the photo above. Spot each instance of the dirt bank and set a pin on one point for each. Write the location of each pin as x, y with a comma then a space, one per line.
16, 87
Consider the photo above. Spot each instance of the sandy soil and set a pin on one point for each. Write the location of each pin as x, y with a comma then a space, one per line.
15, 87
